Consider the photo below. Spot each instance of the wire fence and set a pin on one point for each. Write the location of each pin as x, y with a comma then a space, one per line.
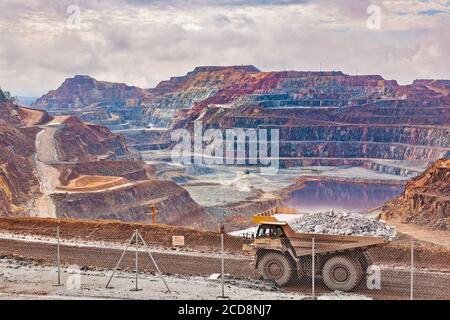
404, 269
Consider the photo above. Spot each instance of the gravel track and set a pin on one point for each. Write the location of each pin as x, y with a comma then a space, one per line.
394, 284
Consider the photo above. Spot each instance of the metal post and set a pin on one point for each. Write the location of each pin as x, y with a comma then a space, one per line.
154, 262
121, 258
313, 269
412, 270
222, 259
153, 214
58, 258
223, 266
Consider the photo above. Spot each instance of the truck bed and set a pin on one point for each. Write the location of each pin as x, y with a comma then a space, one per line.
328, 243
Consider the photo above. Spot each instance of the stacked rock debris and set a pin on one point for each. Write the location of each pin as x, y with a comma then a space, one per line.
343, 224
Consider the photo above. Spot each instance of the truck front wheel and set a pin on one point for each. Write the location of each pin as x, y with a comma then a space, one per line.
341, 273
276, 267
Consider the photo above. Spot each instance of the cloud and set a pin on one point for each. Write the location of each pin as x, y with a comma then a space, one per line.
143, 42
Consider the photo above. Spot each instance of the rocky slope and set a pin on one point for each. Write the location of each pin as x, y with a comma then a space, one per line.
101, 179
204, 85
83, 91
80, 170
329, 118
91, 142
131, 202
426, 199
106, 103
17, 135
324, 118
16, 116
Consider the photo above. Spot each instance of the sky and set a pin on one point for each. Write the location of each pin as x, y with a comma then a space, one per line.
142, 42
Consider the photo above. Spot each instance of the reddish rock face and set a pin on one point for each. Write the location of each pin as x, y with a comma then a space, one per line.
177, 83
78, 141
201, 87
132, 203
247, 86
330, 115
114, 105
17, 180
84, 91
321, 115
13, 115
426, 199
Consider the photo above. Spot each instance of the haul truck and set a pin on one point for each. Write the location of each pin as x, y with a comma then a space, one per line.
281, 254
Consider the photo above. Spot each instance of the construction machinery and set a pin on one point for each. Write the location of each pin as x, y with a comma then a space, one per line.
282, 254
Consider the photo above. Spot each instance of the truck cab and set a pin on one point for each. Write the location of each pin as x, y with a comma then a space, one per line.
270, 231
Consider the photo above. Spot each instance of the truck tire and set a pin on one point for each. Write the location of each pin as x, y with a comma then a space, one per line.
276, 267
341, 273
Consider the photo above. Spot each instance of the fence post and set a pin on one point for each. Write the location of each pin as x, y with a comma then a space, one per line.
412, 271
313, 269
58, 257
222, 258
223, 267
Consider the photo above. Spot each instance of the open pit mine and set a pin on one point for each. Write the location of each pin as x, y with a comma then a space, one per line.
354, 150
324, 118
354, 138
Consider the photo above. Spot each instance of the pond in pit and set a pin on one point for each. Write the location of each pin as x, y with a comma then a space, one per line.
317, 196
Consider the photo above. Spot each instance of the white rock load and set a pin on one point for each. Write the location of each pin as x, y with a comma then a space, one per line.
343, 224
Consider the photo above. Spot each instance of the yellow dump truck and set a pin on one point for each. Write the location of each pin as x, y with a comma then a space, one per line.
281, 254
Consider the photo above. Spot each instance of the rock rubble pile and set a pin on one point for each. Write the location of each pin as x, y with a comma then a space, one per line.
343, 224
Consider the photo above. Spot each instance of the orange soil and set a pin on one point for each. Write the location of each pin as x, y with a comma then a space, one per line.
117, 231
92, 183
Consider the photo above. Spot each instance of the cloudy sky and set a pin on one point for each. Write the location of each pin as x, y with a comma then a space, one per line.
142, 42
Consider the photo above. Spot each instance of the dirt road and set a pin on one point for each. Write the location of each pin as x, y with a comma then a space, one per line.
438, 237
47, 175
395, 282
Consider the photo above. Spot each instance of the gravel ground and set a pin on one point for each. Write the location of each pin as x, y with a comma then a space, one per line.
24, 280
395, 283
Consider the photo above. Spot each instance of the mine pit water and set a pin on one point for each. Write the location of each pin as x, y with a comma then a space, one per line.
318, 196
215, 186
